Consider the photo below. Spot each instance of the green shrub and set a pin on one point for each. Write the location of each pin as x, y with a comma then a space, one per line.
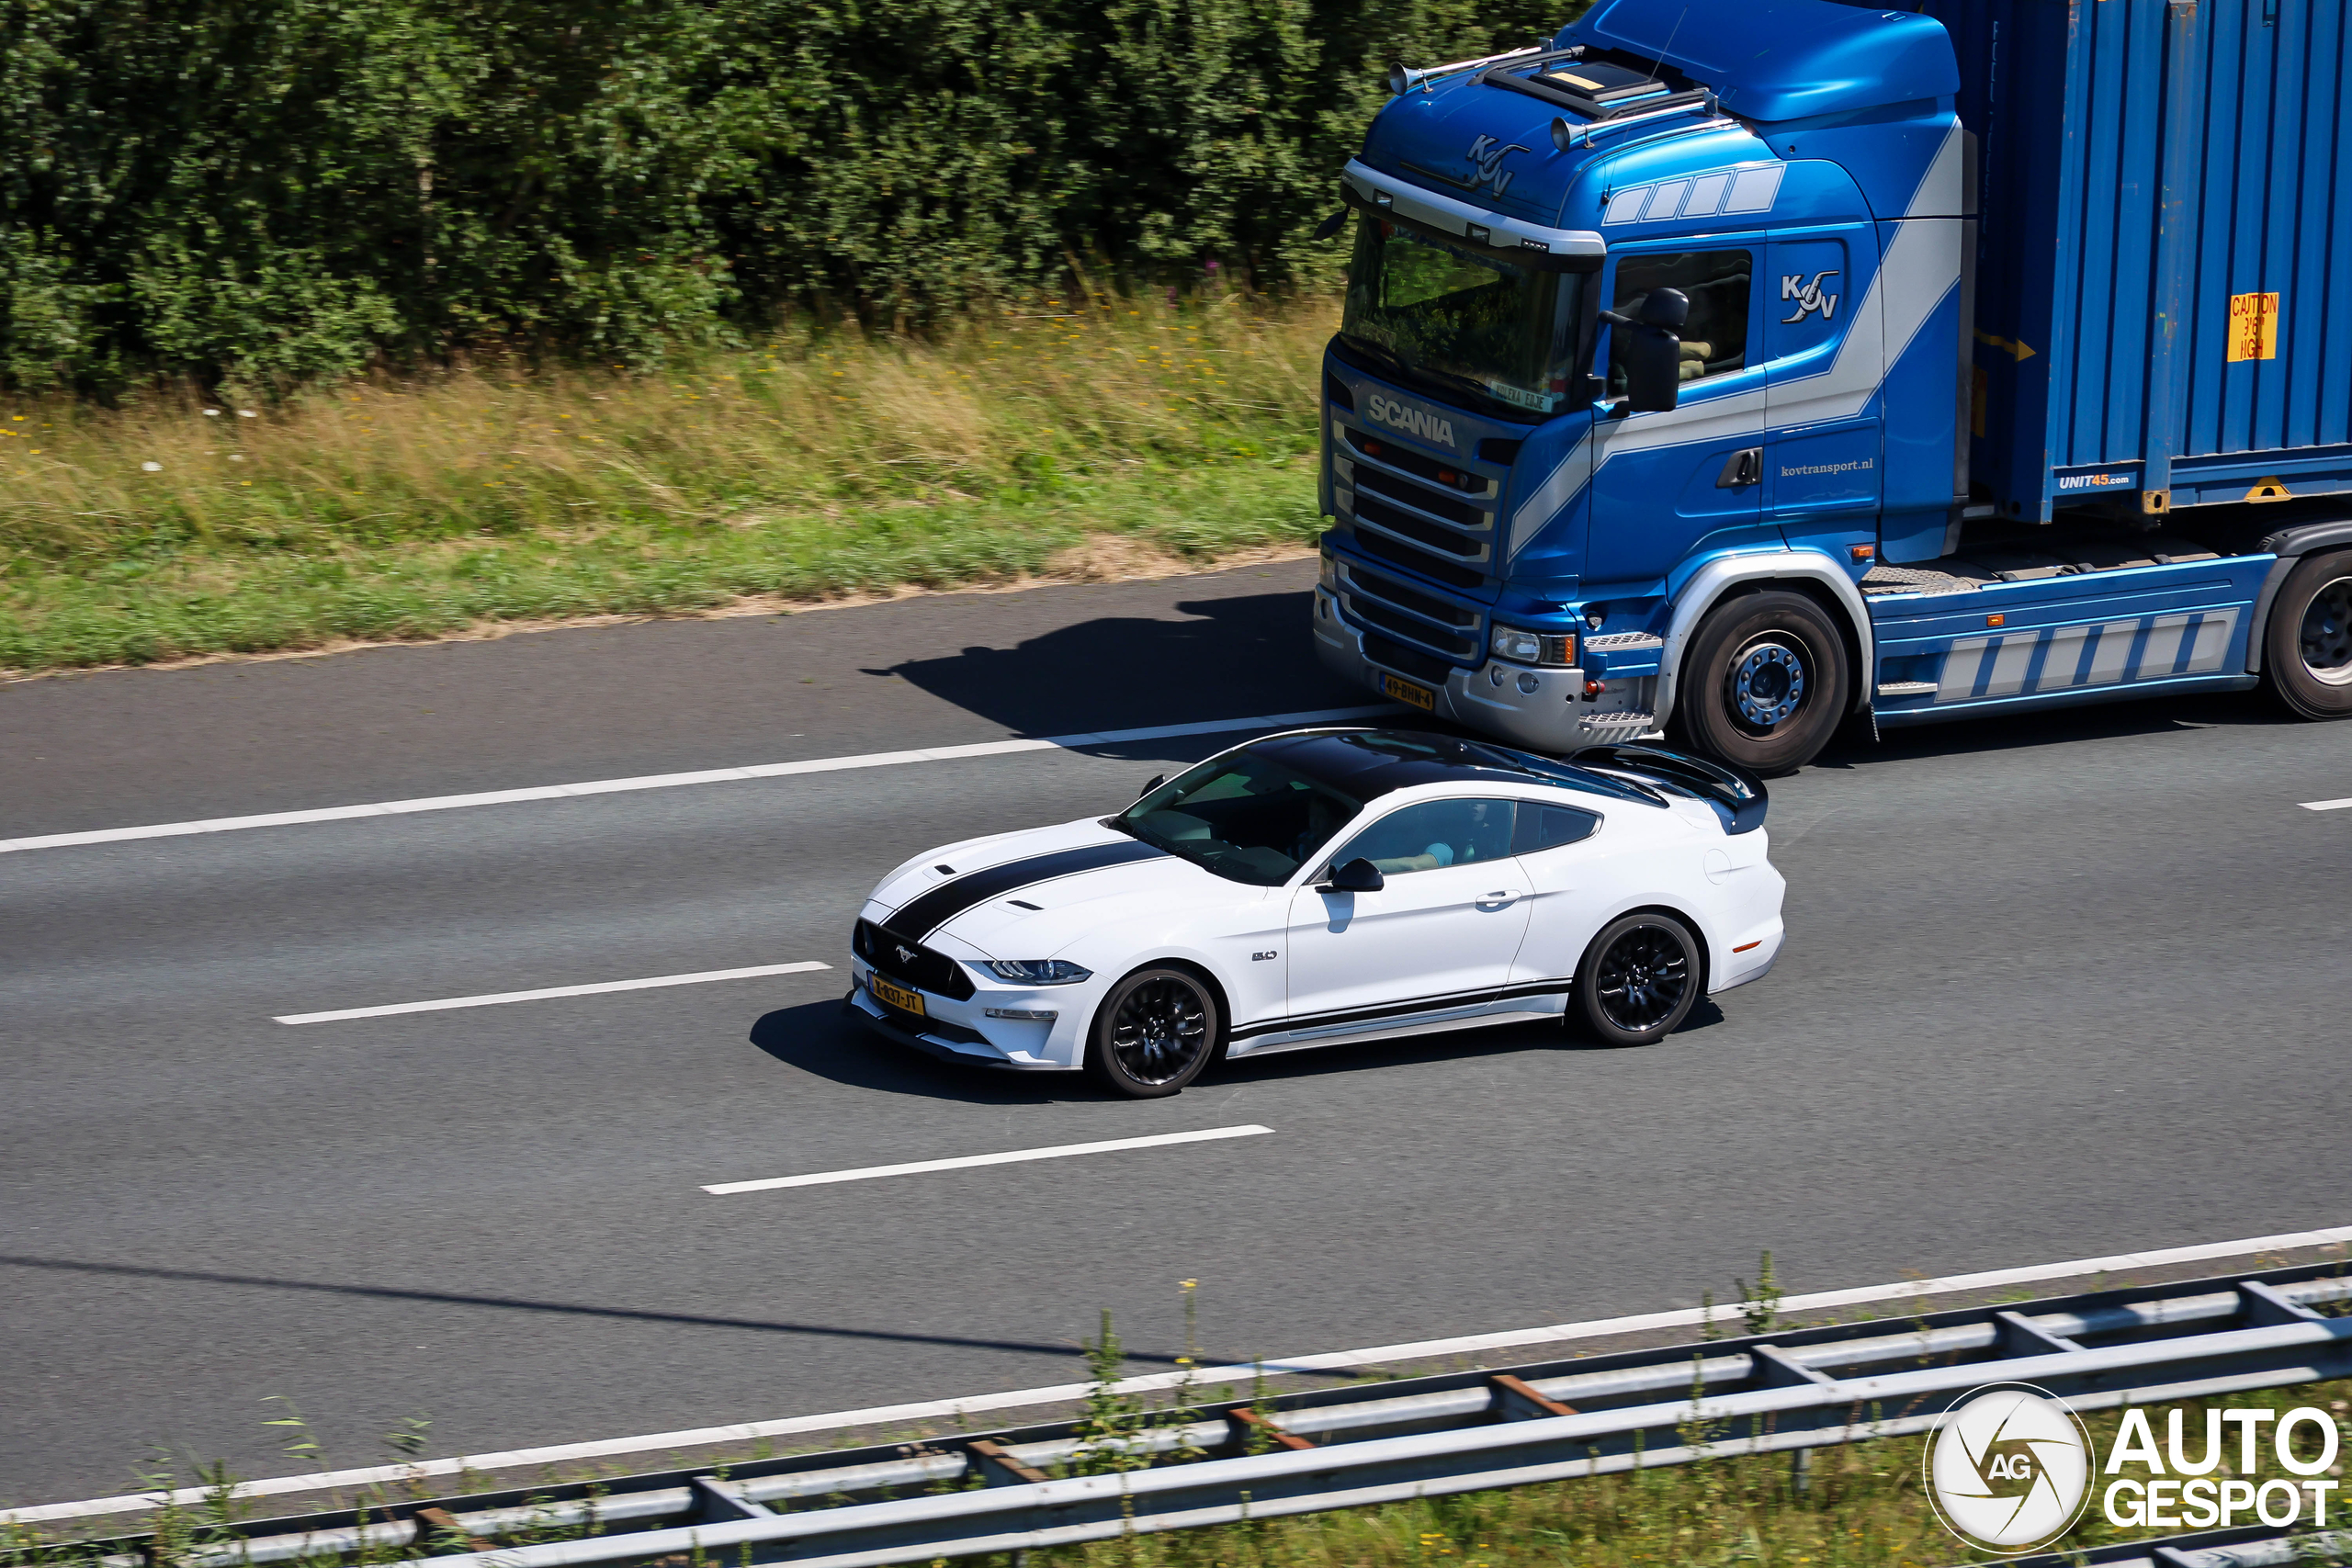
258, 193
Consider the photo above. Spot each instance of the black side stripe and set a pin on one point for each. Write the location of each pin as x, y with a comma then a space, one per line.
918, 918
1447, 1003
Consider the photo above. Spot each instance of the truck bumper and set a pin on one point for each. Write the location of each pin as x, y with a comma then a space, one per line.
1493, 699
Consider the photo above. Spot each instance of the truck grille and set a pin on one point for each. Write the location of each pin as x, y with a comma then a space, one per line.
1409, 616
1416, 499
925, 970
1382, 547
1406, 660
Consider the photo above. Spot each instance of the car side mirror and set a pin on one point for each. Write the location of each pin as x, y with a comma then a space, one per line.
1359, 875
1156, 780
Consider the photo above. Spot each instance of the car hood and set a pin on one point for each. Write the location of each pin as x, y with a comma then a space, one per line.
1080, 877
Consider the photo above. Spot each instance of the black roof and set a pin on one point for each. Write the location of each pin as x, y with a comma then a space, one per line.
1367, 763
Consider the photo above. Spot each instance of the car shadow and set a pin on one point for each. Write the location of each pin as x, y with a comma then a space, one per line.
826, 1039
1232, 657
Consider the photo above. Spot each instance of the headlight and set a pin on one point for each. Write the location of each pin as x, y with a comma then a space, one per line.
1557, 649
1037, 971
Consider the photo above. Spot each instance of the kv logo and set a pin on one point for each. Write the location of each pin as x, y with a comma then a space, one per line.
1809, 296
1488, 155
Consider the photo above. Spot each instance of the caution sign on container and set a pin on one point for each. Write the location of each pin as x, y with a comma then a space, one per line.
2254, 327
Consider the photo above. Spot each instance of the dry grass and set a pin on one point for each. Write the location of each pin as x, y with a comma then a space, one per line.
814, 465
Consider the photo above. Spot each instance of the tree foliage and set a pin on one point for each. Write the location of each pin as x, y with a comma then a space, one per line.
261, 192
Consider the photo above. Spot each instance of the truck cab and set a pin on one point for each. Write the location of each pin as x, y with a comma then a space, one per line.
1662, 396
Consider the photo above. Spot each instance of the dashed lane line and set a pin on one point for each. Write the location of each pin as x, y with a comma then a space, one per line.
502, 998
964, 1162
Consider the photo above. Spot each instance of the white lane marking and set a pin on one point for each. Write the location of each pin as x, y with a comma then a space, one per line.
1060, 1151
675, 781
1061, 1394
2346, 804
503, 996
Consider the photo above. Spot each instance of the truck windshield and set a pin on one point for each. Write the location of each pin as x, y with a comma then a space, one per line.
1461, 321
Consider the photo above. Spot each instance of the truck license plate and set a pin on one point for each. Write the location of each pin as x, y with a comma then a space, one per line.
897, 996
1421, 698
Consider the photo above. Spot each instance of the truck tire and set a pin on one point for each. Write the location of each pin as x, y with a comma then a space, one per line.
2307, 646
1765, 683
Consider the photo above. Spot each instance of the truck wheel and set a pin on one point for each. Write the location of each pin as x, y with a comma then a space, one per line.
2307, 646
1765, 683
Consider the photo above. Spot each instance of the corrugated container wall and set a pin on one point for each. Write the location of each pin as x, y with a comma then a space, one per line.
2164, 302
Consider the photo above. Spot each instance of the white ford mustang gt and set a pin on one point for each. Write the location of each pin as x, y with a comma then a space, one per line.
1323, 885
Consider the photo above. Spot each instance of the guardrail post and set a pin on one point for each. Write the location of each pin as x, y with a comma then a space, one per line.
999, 1468
716, 1502
1241, 1423
1518, 1401
1801, 1471
2266, 1308
2018, 1336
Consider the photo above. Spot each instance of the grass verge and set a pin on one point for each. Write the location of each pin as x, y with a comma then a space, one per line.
815, 466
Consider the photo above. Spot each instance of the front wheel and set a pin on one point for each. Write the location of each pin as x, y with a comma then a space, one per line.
1639, 979
2307, 646
1765, 683
1154, 1034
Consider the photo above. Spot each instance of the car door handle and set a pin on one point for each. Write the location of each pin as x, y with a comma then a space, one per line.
1504, 897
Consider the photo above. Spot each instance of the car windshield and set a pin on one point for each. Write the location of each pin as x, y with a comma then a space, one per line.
1462, 320
1243, 816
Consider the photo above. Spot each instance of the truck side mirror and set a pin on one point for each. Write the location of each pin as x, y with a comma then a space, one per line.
1359, 875
1653, 357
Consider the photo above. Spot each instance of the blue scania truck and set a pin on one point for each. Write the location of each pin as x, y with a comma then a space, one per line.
1737, 367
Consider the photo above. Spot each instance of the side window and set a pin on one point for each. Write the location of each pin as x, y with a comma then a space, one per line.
1549, 827
1714, 339
1432, 834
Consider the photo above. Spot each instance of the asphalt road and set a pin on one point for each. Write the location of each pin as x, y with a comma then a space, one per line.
2053, 988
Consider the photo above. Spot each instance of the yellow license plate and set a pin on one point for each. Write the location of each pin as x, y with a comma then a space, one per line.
1421, 698
897, 996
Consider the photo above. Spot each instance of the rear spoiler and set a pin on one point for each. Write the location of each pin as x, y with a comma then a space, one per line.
1736, 795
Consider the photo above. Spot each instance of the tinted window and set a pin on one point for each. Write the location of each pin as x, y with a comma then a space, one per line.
1243, 816
1549, 827
1714, 338
1432, 834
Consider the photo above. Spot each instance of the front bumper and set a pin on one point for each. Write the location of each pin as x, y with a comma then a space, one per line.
961, 1030
1555, 717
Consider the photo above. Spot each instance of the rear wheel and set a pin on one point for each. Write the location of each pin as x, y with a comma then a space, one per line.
1154, 1034
1639, 979
1765, 683
2307, 646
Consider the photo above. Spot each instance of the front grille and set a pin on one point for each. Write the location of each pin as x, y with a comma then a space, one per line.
1412, 462
1378, 512
1438, 503
1411, 560
1396, 593
925, 970
1406, 660
1373, 613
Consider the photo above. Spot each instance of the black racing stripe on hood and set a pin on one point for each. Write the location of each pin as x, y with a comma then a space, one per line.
918, 918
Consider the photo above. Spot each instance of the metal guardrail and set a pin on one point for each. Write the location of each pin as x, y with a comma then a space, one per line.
1365, 1444
2247, 1546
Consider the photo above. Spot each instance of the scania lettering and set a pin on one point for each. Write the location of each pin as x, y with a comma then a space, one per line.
1737, 368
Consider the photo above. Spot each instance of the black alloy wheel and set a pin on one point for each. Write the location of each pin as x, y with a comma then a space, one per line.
1639, 979
2307, 646
1154, 1033
1765, 684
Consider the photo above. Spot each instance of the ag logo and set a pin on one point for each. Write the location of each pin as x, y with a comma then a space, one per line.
1808, 295
2009, 1468
1488, 155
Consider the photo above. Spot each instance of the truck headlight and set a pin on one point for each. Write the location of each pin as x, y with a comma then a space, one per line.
1554, 649
1037, 971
